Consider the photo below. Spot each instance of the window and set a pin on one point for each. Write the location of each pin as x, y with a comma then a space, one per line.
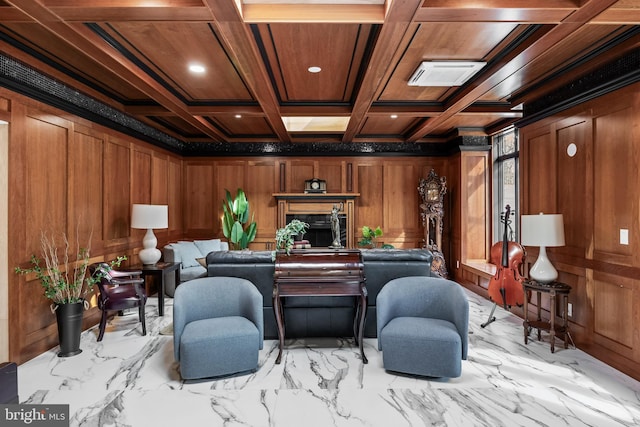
505, 182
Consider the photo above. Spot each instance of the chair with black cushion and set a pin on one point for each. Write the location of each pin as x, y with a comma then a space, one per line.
423, 326
119, 290
218, 327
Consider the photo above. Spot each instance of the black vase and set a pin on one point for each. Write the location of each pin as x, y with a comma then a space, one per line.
69, 317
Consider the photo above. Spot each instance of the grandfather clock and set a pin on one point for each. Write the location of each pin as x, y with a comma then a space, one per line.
432, 190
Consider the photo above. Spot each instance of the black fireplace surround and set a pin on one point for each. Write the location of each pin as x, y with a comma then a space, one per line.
319, 233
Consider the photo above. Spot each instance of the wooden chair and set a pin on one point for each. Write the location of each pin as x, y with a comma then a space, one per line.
119, 290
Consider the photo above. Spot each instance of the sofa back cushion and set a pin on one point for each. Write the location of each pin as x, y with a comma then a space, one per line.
240, 257
187, 253
212, 245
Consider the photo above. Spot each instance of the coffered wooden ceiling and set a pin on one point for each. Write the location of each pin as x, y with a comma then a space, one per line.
134, 56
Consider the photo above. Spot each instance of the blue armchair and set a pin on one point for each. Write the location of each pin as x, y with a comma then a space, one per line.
217, 327
423, 324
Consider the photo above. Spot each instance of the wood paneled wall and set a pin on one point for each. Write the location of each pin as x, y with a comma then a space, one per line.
387, 188
67, 175
595, 190
470, 198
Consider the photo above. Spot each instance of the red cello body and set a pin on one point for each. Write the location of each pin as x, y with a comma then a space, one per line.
505, 287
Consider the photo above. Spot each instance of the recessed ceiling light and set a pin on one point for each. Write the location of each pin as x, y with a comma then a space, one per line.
394, 116
314, 69
238, 116
196, 68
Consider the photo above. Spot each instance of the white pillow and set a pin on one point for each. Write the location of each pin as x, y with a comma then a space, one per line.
206, 246
188, 253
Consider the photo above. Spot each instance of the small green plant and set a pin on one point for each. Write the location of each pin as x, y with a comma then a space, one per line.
64, 281
370, 237
284, 235
235, 218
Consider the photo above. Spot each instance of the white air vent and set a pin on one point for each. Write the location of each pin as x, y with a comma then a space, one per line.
444, 73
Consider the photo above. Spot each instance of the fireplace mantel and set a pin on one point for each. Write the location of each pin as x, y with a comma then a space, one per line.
316, 196
317, 203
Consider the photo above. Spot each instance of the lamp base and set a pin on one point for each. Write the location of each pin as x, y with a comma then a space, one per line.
150, 255
543, 271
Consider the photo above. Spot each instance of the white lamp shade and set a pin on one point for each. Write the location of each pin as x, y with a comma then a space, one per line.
542, 230
150, 216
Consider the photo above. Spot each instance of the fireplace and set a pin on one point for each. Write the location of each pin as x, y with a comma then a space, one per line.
319, 233
315, 209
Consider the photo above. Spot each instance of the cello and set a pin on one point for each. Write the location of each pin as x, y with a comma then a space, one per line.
505, 287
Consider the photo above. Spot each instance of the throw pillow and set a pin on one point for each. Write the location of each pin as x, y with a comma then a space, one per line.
188, 253
202, 261
206, 246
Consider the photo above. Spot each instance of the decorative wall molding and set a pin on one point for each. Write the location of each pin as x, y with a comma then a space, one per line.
25, 80
608, 78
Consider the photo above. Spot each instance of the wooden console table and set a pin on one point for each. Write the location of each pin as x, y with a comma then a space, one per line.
553, 289
322, 272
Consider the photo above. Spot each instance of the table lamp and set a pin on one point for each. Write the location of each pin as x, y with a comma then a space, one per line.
543, 231
149, 217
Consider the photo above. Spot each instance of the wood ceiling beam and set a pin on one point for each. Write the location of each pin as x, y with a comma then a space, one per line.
244, 53
500, 72
342, 13
103, 11
95, 48
504, 109
315, 110
398, 20
11, 14
322, 111
200, 110
124, 14
521, 11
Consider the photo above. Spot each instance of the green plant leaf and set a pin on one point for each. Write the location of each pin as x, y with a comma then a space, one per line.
235, 216
244, 241
236, 232
227, 221
251, 232
228, 199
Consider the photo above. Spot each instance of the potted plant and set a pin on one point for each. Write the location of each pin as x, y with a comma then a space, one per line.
370, 238
235, 216
65, 283
286, 234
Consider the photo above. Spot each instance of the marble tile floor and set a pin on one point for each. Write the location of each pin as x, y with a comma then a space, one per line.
131, 380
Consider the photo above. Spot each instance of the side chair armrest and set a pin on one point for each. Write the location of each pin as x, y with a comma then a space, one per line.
123, 273
132, 281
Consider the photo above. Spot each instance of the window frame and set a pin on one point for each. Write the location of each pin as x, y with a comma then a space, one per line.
498, 196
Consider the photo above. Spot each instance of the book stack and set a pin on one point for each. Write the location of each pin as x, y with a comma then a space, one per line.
301, 244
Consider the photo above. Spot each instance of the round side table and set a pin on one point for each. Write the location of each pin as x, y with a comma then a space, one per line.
553, 289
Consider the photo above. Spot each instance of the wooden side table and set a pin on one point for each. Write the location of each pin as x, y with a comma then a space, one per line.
160, 270
553, 289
